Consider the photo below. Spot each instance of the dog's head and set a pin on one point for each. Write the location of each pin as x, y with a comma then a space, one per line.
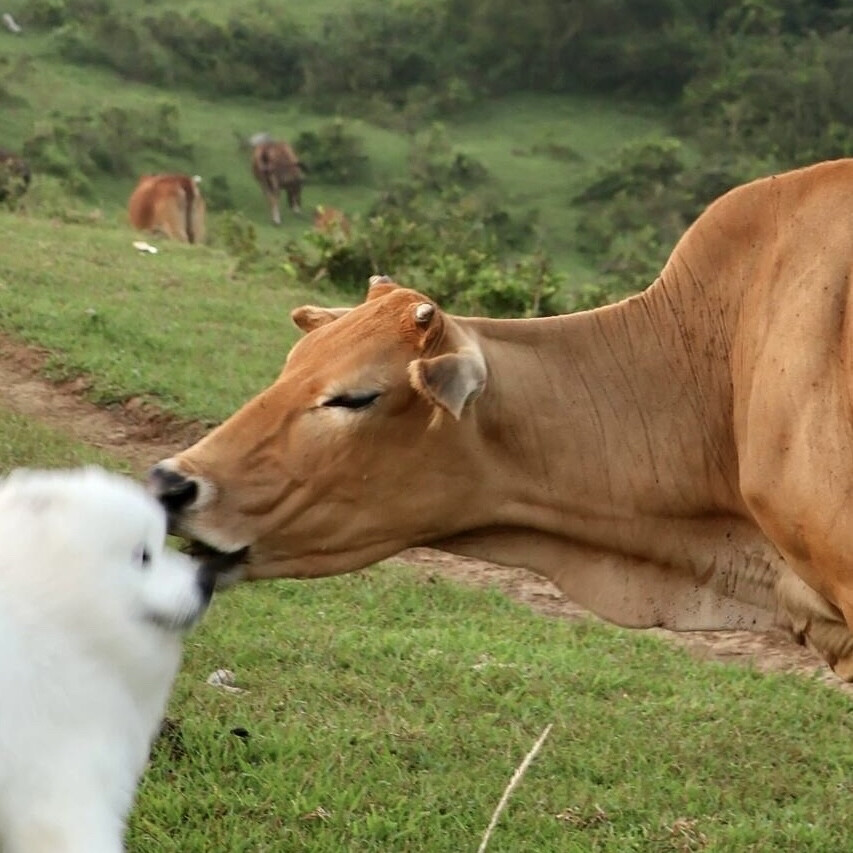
92, 545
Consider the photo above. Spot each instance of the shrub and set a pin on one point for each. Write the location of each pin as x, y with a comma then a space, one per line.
332, 155
217, 193
240, 238
111, 141
464, 271
13, 71
258, 52
637, 207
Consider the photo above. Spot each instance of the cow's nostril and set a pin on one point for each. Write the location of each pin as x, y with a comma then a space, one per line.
173, 490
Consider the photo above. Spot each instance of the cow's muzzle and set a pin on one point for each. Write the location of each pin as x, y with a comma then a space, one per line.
179, 494
175, 491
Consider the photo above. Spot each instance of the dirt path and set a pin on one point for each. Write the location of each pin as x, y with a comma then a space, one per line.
141, 435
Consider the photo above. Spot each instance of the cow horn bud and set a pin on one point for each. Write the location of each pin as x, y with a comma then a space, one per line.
378, 279
424, 313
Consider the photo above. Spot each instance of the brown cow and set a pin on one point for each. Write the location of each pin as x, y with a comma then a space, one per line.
170, 204
683, 458
276, 167
329, 220
15, 176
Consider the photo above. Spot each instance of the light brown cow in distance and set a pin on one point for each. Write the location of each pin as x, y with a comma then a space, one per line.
328, 220
683, 458
276, 167
169, 204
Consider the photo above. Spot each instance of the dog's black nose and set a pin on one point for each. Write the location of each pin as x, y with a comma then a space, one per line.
173, 490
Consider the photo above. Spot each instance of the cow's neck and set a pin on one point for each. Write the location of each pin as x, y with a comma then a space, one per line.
605, 438
608, 414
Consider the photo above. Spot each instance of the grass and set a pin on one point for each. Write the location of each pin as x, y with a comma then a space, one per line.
400, 705
176, 327
386, 711
509, 135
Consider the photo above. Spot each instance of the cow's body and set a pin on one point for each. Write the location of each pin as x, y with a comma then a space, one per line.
15, 176
276, 167
683, 458
169, 204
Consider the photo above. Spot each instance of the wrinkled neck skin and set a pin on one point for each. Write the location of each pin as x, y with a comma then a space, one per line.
628, 503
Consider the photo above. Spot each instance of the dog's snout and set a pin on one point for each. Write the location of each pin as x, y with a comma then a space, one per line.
175, 491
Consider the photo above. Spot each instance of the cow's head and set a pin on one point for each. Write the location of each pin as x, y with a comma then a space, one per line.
350, 456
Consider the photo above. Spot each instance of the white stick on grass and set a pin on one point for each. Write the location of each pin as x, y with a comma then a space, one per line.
513, 784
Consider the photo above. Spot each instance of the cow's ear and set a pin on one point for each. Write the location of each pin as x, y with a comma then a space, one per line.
449, 381
310, 317
379, 285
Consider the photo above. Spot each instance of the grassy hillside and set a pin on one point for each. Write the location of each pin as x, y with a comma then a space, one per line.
510, 136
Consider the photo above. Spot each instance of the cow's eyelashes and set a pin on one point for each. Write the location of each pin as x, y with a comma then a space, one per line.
359, 400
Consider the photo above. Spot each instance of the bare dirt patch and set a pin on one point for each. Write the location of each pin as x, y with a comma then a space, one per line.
140, 434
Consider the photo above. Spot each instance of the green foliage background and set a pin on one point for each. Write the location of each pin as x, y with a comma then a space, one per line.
739, 89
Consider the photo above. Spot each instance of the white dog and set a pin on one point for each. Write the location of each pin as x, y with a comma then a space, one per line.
92, 609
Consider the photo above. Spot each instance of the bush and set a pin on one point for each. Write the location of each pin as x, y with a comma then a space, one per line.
217, 193
439, 230
256, 53
636, 208
240, 238
435, 167
13, 72
332, 155
50, 197
111, 141
462, 268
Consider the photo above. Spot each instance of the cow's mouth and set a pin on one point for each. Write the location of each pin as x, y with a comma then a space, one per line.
222, 564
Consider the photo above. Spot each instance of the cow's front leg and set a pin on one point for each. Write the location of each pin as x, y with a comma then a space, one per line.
275, 213
815, 622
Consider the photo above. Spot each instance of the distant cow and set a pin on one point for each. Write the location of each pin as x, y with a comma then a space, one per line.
15, 176
170, 204
276, 167
330, 219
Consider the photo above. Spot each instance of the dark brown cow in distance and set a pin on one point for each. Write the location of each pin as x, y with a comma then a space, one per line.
15, 176
276, 167
170, 204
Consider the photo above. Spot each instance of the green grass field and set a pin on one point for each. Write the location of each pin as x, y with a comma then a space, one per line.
386, 711
508, 135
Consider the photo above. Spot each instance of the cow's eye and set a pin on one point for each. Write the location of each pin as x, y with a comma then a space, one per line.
360, 400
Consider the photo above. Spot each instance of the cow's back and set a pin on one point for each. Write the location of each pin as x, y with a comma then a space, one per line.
276, 160
169, 203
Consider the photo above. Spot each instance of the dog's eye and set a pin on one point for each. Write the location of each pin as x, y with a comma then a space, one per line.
146, 556
143, 557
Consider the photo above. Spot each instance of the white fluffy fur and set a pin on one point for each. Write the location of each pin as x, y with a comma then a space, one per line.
90, 642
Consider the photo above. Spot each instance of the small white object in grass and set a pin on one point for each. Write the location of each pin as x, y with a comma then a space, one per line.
10, 23
145, 247
225, 680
